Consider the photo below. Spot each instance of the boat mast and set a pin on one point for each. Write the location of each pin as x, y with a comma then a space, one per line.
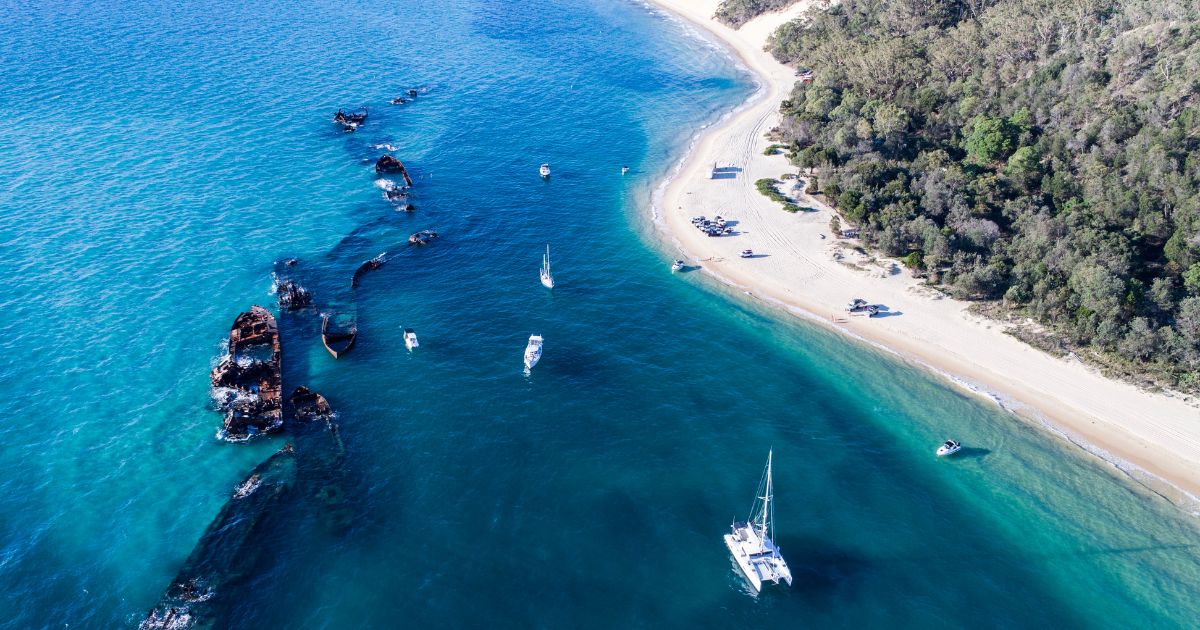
766, 510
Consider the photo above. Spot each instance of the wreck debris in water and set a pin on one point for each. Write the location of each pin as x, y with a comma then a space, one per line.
338, 333
308, 405
422, 238
246, 384
389, 164
292, 296
232, 548
228, 552
370, 265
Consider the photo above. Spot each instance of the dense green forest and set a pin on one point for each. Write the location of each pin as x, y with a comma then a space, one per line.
1039, 155
737, 12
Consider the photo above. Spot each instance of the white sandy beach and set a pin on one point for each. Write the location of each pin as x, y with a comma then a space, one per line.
1132, 428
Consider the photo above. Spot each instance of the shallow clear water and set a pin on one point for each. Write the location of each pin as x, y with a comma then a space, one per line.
158, 159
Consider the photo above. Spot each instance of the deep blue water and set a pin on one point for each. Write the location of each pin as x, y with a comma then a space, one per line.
157, 160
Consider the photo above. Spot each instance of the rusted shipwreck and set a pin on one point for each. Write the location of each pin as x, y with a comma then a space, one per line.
339, 331
368, 266
389, 164
308, 405
422, 238
246, 384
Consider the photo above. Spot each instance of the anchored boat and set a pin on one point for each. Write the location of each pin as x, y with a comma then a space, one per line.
752, 542
533, 351
949, 447
547, 277
410, 339
545, 171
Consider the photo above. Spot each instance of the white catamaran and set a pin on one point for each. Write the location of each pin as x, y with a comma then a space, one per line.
752, 542
533, 352
547, 278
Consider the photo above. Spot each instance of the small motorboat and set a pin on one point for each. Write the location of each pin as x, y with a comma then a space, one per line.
624, 169
410, 339
544, 171
533, 352
412, 92
949, 447
747, 253
399, 100
677, 266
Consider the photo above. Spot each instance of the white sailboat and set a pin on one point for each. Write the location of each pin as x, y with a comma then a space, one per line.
533, 352
752, 542
547, 278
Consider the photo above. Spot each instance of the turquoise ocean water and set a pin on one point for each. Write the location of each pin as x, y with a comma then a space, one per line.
156, 161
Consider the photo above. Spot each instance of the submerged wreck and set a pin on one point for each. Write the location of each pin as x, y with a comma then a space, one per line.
292, 296
246, 384
350, 121
309, 475
228, 552
389, 164
370, 265
308, 405
422, 238
338, 333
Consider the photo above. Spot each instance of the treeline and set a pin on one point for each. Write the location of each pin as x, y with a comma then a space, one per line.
737, 12
1041, 154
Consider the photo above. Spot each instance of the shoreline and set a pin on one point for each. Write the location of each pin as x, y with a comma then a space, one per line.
1152, 439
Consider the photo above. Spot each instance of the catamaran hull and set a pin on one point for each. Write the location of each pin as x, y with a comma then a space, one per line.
749, 573
754, 569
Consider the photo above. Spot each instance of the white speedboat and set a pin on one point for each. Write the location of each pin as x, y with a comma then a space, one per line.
533, 351
410, 339
544, 171
949, 447
677, 265
624, 169
752, 542
547, 277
